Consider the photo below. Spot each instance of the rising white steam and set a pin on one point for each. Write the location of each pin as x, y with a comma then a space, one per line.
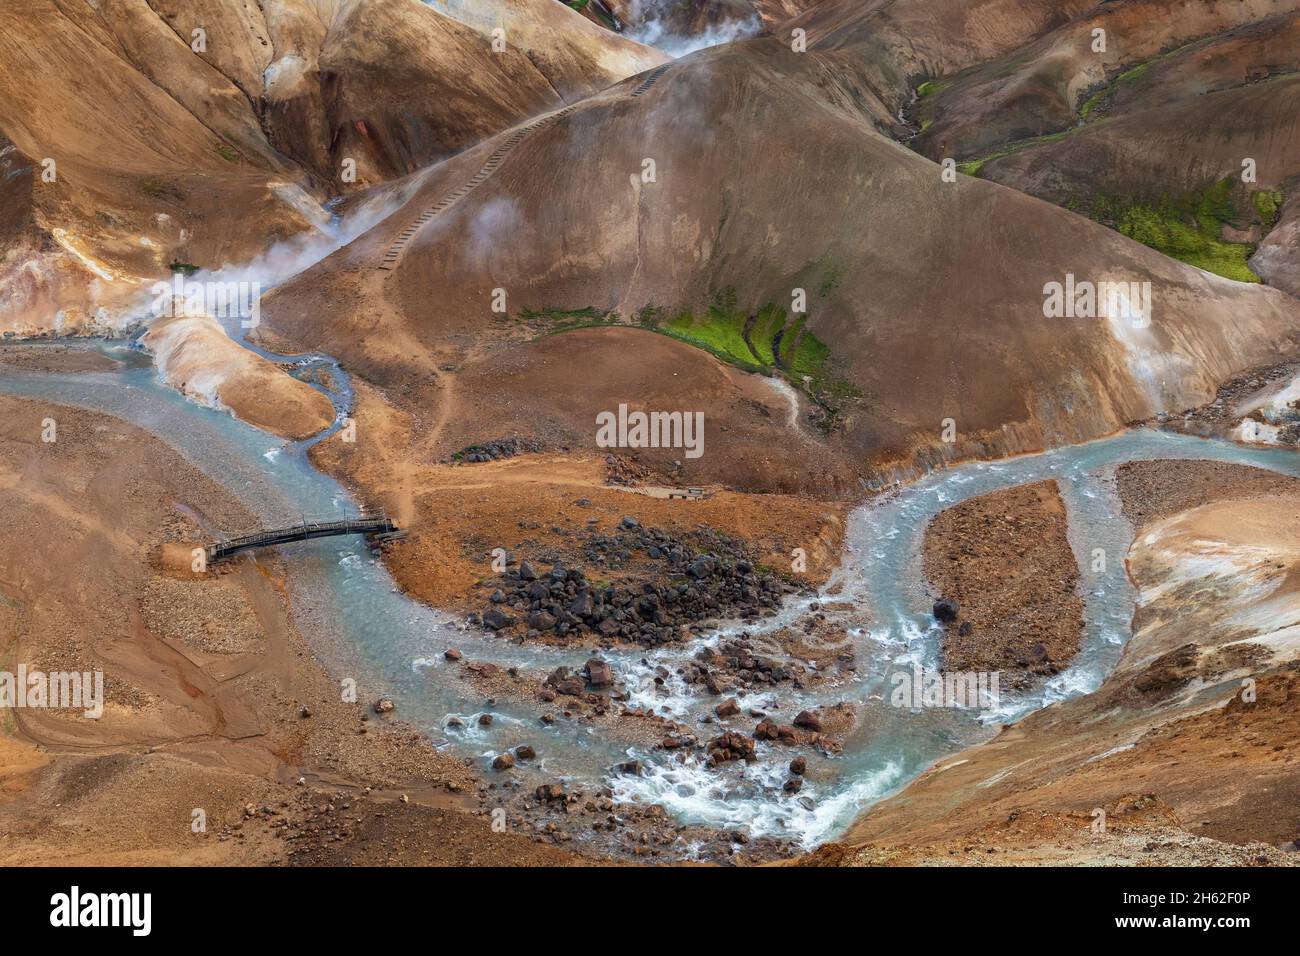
286, 259
652, 29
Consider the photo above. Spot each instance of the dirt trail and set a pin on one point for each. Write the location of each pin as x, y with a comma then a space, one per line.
393, 257
458, 513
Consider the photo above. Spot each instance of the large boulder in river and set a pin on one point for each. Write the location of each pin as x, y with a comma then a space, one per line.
599, 673
565, 683
769, 729
541, 620
731, 746
808, 721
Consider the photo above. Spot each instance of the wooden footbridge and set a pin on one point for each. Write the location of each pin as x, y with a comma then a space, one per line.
376, 528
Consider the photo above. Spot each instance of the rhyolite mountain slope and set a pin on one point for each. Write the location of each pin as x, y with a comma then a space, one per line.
1183, 132
704, 202
773, 172
203, 132
559, 246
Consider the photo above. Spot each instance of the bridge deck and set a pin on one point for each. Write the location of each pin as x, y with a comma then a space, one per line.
306, 531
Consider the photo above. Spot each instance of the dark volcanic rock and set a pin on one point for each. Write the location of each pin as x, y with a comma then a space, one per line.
495, 450
582, 604
549, 792
808, 721
692, 584
497, 619
562, 681
769, 729
599, 673
731, 746
945, 610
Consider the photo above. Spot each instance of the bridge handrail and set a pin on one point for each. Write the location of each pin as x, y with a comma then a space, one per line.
361, 524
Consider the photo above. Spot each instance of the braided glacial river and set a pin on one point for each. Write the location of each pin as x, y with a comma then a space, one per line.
393, 645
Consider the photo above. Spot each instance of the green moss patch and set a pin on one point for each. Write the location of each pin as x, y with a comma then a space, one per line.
972, 167
927, 101
1268, 203
1108, 92
766, 342
769, 341
1130, 77
719, 330
1188, 228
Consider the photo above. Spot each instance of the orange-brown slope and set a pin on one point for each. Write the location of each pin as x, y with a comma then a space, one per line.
204, 133
896, 42
1198, 719
123, 176
550, 390
928, 294
1170, 149
1004, 560
395, 84
546, 503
